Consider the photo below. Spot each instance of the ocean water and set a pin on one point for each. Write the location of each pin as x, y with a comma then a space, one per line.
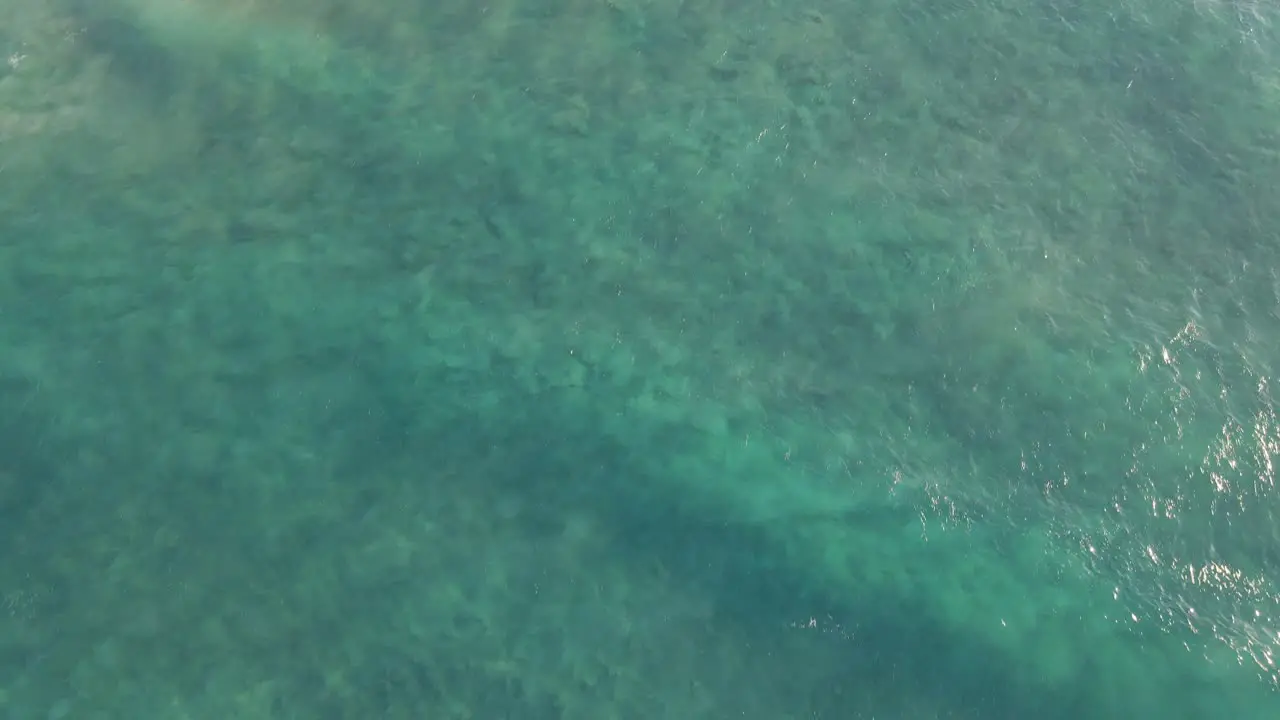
684, 359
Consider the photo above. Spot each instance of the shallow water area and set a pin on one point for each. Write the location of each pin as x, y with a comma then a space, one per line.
638, 358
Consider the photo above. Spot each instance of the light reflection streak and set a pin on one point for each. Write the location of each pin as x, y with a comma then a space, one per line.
1183, 544
1184, 539
1208, 594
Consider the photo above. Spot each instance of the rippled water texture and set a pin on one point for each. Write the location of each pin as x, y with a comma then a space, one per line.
638, 359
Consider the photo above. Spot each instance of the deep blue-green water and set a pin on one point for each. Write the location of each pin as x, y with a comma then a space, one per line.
685, 359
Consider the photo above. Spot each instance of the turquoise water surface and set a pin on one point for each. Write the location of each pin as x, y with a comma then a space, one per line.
654, 359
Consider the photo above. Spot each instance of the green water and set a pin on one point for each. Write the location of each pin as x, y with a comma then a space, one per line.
639, 359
